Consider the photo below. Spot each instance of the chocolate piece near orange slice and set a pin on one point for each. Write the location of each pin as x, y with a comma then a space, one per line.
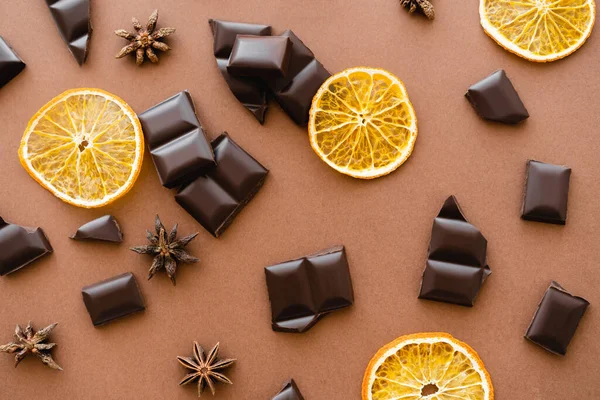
546, 193
105, 228
10, 63
495, 98
289, 391
556, 319
423, 366
20, 246
72, 18
457, 258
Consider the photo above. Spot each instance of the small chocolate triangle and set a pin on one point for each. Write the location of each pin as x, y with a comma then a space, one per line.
105, 228
290, 391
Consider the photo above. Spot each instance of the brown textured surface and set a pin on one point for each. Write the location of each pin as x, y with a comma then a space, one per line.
306, 206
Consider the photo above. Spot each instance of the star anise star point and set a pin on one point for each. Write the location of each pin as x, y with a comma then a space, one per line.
166, 249
205, 368
145, 40
29, 341
424, 6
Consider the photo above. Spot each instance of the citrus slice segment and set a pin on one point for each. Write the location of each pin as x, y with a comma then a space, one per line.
426, 366
538, 30
85, 146
362, 123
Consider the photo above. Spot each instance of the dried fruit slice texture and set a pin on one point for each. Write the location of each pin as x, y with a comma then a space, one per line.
362, 123
432, 366
85, 146
538, 30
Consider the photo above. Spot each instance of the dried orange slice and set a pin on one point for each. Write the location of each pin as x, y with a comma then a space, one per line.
362, 123
85, 146
538, 30
427, 366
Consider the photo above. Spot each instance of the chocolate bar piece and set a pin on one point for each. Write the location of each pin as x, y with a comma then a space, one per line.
494, 98
556, 319
260, 56
176, 140
20, 246
105, 228
10, 63
72, 17
306, 74
290, 391
546, 193
113, 298
251, 92
216, 198
457, 262
304, 290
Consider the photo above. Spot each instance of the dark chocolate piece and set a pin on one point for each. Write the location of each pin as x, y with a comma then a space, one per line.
546, 193
260, 56
105, 228
216, 198
556, 319
304, 290
251, 92
290, 391
72, 17
176, 140
113, 298
20, 246
457, 264
306, 74
496, 99
10, 63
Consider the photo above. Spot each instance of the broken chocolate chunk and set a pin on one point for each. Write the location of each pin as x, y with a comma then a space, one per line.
10, 63
290, 391
20, 246
105, 228
72, 18
546, 193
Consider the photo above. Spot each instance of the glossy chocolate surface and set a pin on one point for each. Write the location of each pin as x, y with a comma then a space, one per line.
10, 63
556, 319
176, 140
457, 263
72, 17
495, 98
296, 90
251, 92
260, 56
546, 193
290, 391
20, 246
113, 298
105, 228
214, 199
304, 290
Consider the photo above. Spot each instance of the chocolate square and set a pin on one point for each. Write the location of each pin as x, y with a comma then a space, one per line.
303, 290
113, 298
546, 193
251, 92
495, 98
290, 391
260, 56
176, 140
214, 199
556, 319
10, 63
72, 18
457, 261
20, 246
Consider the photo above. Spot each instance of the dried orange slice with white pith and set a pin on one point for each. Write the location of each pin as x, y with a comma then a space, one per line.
538, 30
427, 366
85, 146
362, 123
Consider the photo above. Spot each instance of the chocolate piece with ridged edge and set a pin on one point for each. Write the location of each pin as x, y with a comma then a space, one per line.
105, 228
20, 246
290, 391
10, 63
457, 263
72, 18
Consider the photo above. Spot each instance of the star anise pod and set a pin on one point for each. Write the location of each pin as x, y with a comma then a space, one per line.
204, 368
144, 40
424, 6
30, 342
166, 249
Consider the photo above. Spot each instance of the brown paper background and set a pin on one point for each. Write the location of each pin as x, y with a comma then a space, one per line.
306, 206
